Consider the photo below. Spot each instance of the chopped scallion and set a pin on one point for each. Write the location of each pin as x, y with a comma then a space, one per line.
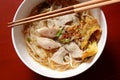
28, 39
65, 41
59, 33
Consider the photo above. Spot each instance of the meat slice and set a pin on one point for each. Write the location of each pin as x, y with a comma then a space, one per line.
63, 20
59, 56
74, 50
47, 43
62, 55
47, 32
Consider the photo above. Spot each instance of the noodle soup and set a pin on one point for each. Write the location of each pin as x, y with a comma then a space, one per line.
62, 43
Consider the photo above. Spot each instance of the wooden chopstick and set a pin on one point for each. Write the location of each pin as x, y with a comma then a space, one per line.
63, 11
59, 10
53, 12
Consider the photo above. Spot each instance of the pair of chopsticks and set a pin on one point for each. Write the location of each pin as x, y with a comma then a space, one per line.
63, 11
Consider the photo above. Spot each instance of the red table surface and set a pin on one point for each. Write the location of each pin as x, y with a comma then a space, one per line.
106, 68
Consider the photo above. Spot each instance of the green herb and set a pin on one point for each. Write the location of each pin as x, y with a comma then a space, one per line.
28, 39
59, 32
65, 41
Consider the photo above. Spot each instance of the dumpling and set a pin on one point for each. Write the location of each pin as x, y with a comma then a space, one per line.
74, 50
59, 56
47, 43
47, 32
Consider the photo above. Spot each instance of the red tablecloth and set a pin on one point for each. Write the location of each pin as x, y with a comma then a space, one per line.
106, 68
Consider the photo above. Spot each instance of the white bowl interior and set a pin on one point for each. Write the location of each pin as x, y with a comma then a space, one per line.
19, 44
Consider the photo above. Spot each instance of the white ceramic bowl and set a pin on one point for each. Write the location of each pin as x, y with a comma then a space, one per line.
19, 44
